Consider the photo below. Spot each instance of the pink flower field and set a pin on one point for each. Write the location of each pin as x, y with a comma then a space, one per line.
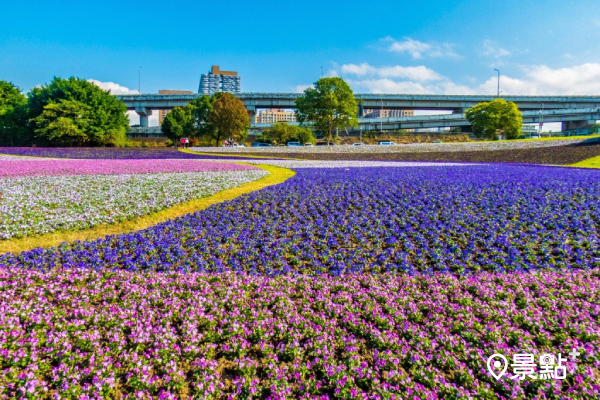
37, 167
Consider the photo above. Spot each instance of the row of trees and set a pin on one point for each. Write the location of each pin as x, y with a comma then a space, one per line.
329, 105
282, 133
66, 112
75, 112
218, 117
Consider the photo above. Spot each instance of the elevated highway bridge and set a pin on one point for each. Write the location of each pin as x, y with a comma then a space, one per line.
143, 104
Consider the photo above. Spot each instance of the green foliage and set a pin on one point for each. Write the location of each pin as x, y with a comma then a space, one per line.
179, 123
63, 123
217, 117
595, 128
281, 133
228, 119
497, 115
329, 105
13, 117
106, 115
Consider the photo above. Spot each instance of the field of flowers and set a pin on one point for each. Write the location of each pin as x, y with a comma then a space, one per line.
135, 153
83, 333
456, 219
41, 196
22, 167
405, 148
369, 280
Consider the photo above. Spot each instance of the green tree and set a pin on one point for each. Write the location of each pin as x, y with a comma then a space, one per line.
179, 123
228, 119
63, 123
282, 132
497, 115
106, 114
13, 109
329, 105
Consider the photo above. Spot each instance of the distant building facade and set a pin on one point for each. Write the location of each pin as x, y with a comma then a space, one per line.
275, 115
219, 81
163, 113
383, 113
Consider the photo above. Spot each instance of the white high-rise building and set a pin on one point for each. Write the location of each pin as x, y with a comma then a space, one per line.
219, 81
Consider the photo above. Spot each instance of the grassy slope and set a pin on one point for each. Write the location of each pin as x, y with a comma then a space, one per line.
277, 175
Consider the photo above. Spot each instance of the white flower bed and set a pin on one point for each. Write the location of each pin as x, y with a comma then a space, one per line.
401, 148
37, 205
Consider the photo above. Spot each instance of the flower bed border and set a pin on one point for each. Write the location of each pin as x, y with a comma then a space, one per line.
276, 175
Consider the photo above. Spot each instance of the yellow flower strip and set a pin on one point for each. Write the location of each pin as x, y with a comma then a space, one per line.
593, 162
276, 175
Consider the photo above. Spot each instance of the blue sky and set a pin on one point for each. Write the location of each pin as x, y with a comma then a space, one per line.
540, 47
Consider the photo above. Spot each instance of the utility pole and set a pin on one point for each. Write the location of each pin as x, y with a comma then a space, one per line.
498, 81
140, 80
321, 72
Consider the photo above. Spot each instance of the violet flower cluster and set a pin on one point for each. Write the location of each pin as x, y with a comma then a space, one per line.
463, 219
87, 334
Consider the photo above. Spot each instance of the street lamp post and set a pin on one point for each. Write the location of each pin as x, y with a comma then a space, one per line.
140, 80
541, 119
498, 81
381, 117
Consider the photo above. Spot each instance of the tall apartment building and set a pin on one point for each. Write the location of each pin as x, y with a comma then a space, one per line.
219, 81
163, 113
383, 113
275, 115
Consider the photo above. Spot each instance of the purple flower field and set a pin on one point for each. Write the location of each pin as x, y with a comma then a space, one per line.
99, 334
42, 167
372, 282
133, 153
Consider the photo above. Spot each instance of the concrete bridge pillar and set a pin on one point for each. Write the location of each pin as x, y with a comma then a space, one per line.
144, 113
252, 113
569, 125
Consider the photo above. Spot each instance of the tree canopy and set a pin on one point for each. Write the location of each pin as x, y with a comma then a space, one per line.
63, 123
228, 119
282, 133
218, 117
329, 105
487, 119
104, 112
13, 115
179, 123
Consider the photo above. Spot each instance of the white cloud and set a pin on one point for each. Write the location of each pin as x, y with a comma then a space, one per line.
535, 80
542, 80
418, 49
390, 86
301, 88
114, 88
419, 73
490, 49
